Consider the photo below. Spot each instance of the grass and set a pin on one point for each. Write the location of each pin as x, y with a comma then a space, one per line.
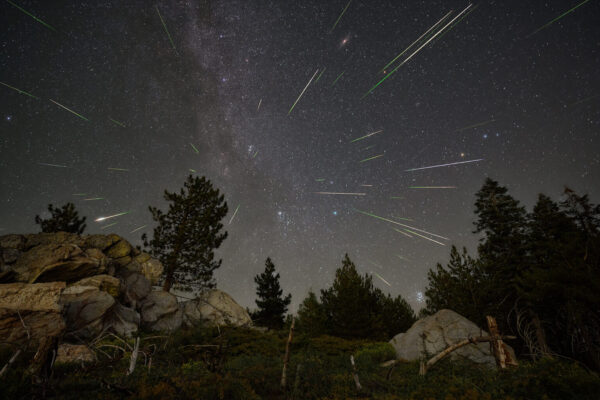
233, 363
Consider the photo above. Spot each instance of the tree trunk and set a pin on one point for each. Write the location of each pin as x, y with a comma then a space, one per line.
540, 336
354, 374
497, 345
286, 358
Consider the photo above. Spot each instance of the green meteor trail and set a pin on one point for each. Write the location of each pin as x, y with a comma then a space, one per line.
340, 17
557, 18
20, 91
398, 223
106, 226
402, 232
53, 165
32, 16
366, 136
320, 179
195, 149
371, 158
118, 169
69, 110
456, 23
432, 187
319, 77
94, 198
336, 79
380, 277
117, 122
79, 194
166, 30
192, 170
100, 219
235, 212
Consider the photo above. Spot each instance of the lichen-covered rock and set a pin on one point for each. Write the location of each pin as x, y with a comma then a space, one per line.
12, 241
160, 312
58, 262
86, 310
124, 321
30, 310
120, 249
74, 353
10, 256
122, 261
55, 238
150, 267
106, 283
215, 307
100, 242
431, 335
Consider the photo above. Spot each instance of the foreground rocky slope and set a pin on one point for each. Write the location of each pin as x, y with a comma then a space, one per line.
75, 288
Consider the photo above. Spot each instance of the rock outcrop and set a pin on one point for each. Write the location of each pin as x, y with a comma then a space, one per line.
431, 335
77, 287
216, 308
74, 353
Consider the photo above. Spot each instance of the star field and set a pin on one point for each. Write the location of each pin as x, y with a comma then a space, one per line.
142, 105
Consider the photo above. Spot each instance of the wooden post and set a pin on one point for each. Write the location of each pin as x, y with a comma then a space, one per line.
354, 374
286, 358
497, 345
134, 356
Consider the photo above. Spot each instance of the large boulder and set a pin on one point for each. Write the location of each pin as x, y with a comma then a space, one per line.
58, 262
87, 310
150, 267
123, 321
160, 312
215, 307
30, 311
431, 335
135, 289
74, 353
106, 283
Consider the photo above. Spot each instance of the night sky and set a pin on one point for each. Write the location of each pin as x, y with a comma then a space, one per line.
215, 99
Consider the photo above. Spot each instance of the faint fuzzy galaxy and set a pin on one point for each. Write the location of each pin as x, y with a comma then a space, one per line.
214, 98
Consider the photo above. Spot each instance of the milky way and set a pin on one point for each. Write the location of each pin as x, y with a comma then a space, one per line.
116, 101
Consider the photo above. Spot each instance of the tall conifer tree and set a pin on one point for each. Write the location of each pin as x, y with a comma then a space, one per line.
272, 306
65, 219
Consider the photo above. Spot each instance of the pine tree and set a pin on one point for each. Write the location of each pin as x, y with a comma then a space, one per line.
351, 305
65, 219
398, 315
311, 316
272, 306
458, 287
188, 233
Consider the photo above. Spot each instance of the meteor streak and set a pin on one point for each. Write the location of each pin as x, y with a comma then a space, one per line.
32, 16
94, 198
166, 30
336, 79
475, 125
432, 187
380, 277
195, 149
340, 193
106, 226
100, 219
235, 212
117, 122
416, 51
320, 179
402, 232
306, 87
319, 77
137, 229
557, 18
417, 41
444, 165
259, 102
398, 223
69, 110
366, 136
19, 90
424, 237
118, 169
53, 165
340, 17
371, 158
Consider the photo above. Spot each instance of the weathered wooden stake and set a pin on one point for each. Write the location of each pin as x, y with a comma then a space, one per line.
10, 362
497, 345
134, 356
286, 358
354, 374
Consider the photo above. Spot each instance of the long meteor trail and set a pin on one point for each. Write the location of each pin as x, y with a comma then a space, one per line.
424, 237
340, 17
417, 41
366, 136
444, 165
19, 90
306, 87
100, 219
69, 110
557, 18
380, 277
53, 165
235, 212
403, 225
416, 51
166, 30
475, 125
432, 187
340, 193
32, 16
371, 158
